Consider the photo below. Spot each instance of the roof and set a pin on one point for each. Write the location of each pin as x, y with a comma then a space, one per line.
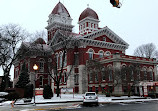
40, 41
60, 8
88, 12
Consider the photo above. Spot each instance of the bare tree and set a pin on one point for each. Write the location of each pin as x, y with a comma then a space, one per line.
146, 50
11, 37
38, 34
55, 71
97, 68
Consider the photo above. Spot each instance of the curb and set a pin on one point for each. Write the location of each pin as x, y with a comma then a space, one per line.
51, 102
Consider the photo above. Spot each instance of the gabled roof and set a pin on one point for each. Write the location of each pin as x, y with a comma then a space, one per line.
89, 39
109, 33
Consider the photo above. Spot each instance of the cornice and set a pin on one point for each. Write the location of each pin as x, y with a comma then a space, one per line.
109, 33
119, 59
102, 44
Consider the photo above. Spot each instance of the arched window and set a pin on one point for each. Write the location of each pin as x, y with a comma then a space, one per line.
41, 65
101, 54
124, 72
107, 53
91, 52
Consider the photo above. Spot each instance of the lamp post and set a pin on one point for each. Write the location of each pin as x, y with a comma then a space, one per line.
35, 68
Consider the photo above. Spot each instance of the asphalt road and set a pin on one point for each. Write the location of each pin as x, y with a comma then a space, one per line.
139, 106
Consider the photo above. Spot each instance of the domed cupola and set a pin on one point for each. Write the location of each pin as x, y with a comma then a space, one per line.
59, 19
88, 12
60, 9
88, 21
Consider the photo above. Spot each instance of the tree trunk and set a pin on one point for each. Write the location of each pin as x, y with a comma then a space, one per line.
58, 90
6, 79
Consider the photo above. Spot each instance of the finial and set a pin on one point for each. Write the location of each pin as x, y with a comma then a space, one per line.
88, 5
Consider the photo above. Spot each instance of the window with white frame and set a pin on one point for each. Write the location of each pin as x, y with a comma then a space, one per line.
145, 73
91, 54
41, 65
107, 53
110, 73
124, 72
96, 75
131, 73
60, 59
101, 54
151, 74
65, 61
76, 77
57, 60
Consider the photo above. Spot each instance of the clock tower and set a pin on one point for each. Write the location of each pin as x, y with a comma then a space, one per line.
59, 19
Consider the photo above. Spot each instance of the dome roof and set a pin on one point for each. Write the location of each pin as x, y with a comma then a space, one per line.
88, 12
60, 8
40, 41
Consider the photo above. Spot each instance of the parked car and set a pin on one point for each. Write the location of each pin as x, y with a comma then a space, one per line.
90, 98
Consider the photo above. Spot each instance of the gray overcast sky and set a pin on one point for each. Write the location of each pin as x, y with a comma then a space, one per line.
136, 21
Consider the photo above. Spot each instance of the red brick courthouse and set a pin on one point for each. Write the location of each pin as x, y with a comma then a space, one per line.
94, 43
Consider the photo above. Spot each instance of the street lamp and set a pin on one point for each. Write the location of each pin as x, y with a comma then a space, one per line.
35, 68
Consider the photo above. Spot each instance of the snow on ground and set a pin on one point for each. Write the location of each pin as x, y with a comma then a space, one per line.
79, 97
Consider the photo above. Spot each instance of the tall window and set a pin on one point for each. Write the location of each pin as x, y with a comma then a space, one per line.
110, 73
131, 73
124, 72
41, 65
57, 60
65, 61
90, 75
60, 59
65, 77
103, 74
76, 77
91, 54
41, 81
151, 74
101, 54
96, 75
145, 73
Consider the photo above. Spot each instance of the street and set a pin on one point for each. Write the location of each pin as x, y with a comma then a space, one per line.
138, 106
135, 106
